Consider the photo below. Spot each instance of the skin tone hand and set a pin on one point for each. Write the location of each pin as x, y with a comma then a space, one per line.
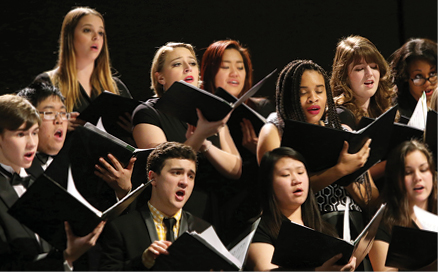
117, 177
74, 122
204, 129
76, 246
330, 265
348, 163
249, 139
154, 250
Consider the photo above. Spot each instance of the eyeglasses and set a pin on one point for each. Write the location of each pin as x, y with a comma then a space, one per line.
52, 115
419, 81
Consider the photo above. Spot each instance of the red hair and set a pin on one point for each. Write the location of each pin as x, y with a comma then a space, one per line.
212, 59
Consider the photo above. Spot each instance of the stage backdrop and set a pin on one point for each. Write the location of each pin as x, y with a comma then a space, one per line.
276, 32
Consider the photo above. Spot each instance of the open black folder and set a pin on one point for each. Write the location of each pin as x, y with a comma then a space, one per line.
92, 143
411, 249
205, 252
182, 99
400, 133
302, 247
244, 111
321, 145
45, 206
109, 107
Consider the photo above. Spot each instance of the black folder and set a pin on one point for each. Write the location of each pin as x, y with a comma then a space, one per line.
45, 206
182, 99
430, 133
301, 247
321, 145
109, 107
411, 249
244, 111
191, 253
400, 133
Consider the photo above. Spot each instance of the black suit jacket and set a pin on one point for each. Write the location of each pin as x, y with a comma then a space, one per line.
125, 239
18, 244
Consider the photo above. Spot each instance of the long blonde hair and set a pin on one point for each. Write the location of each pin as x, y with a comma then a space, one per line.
64, 76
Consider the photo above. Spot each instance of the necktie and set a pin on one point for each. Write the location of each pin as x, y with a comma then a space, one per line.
17, 180
169, 222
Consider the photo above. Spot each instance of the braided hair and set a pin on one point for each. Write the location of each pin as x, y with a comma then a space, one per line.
288, 104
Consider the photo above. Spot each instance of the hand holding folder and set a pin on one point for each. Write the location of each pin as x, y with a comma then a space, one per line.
182, 99
321, 145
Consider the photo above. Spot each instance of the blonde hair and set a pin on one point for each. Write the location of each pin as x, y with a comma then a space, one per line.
158, 63
352, 50
64, 76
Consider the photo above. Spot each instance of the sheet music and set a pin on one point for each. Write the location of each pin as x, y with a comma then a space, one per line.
211, 239
347, 235
99, 125
419, 116
427, 220
71, 188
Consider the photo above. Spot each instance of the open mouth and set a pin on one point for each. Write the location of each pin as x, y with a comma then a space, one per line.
29, 156
189, 79
314, 109
418, 188
58, 134
94, 47
233, 82
298, 191
429, 92
180, 195
369, 83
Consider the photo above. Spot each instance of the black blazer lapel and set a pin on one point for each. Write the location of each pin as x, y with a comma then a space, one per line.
183, 226
150, 225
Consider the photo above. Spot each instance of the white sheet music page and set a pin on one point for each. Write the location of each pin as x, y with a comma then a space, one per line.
427, 220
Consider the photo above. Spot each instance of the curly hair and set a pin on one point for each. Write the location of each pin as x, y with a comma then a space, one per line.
169, 150
288, 104
414, 49
352, 50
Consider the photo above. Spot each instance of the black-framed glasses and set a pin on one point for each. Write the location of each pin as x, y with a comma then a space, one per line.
419, 81
52, 115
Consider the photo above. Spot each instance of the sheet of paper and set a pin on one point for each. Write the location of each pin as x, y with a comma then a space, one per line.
427, 220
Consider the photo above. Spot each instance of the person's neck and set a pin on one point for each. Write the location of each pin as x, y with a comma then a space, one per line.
363, 104
293, 215
15, 168
166, 211
84, 72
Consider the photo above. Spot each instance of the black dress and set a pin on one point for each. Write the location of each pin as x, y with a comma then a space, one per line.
84, 99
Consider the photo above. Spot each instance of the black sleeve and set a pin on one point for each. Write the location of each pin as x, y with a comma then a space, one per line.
263, 235
346, 117
122, 88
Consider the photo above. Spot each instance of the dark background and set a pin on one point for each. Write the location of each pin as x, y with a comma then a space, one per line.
276, 32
